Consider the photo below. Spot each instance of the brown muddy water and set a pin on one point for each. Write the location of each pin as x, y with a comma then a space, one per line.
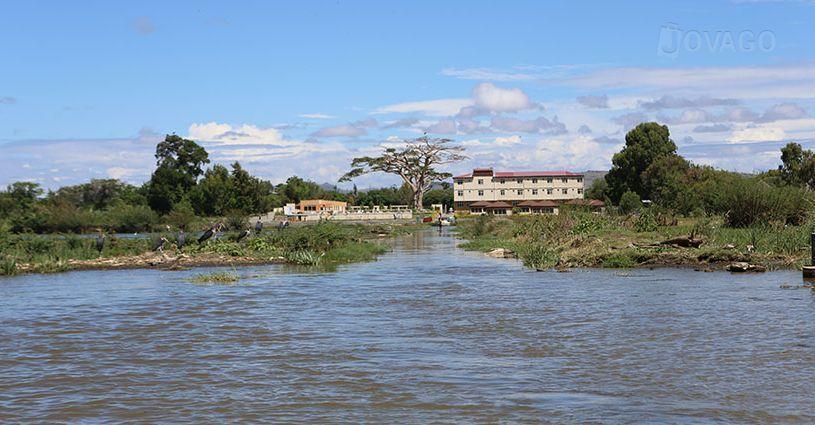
428, 333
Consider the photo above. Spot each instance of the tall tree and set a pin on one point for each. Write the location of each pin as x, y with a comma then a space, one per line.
415, 163
798, 166
296, 189
212, 195
646, 143
179, 164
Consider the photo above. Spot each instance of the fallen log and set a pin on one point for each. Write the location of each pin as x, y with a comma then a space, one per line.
684, 242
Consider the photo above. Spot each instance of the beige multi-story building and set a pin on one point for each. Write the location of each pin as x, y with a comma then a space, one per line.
499, 192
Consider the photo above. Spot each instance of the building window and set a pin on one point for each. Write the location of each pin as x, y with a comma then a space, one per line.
549, 180
480, 193
502, 181
580, 180
565, 180
502, 191
520, 191
534, 181
548, 191
534, 191
480, 181
460, 193
579, 190
565, 191
520, 181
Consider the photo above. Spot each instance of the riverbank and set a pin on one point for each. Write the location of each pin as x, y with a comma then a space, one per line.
582, 239
318, 244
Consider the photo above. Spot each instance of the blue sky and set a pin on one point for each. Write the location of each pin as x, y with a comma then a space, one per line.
87, 89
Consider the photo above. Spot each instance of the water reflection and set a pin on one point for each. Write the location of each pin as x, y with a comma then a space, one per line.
429, 332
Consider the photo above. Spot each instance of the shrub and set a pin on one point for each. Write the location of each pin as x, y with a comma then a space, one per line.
236, 220
130, 218
630, 202
646, 222
747, 202
182, 215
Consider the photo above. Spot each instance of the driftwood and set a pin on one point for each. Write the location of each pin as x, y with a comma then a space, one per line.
742, 267
684, 242
679, 242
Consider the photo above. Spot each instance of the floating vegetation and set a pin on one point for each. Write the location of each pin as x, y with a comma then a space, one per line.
222, 278
303, 258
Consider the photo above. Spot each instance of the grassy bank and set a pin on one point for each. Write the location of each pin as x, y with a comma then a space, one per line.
583, 239
319, 244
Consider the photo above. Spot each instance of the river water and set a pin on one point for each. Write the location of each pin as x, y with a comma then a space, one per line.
427, 333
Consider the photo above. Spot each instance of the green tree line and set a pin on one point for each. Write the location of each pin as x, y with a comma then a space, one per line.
649, 168
180, 189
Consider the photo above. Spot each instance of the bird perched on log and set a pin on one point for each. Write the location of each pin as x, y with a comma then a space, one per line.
159, 246
243, 235
100, 241
182, 237
209, 233
258, 226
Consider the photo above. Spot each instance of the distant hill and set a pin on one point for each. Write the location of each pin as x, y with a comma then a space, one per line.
332, 188
590, 176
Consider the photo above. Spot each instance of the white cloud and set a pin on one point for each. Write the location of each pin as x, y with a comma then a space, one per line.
757, 134
246, 134
442, 127
591, 101
487, 74
317, 116
439, 107
759, 82
495, 99
508, 141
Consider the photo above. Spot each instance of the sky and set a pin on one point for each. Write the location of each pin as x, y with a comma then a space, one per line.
87, 89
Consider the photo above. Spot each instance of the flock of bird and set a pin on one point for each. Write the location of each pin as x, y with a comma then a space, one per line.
181, 239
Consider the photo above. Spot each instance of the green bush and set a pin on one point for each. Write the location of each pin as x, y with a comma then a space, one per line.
236, 220
127, 218
630, 202
747, 202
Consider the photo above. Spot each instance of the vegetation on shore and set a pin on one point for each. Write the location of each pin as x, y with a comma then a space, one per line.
577, 238
180, 193
698, 215
325, 243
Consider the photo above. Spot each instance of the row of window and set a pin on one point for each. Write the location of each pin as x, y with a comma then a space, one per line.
520, 181
521, 191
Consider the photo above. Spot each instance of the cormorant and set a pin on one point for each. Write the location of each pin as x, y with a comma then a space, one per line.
258, 226
282, 225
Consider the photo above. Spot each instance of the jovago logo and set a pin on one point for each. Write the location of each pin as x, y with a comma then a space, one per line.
673, 40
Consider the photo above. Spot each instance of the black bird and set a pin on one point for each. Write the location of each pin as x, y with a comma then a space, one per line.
182, 238
282, 225
159, 246
208, 234
258, 226
100, 241
243, 234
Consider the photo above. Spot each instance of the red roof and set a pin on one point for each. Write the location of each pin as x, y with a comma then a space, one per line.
538, 204
490, 204
515, 174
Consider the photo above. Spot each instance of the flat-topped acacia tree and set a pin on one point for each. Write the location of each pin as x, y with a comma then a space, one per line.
415, 163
